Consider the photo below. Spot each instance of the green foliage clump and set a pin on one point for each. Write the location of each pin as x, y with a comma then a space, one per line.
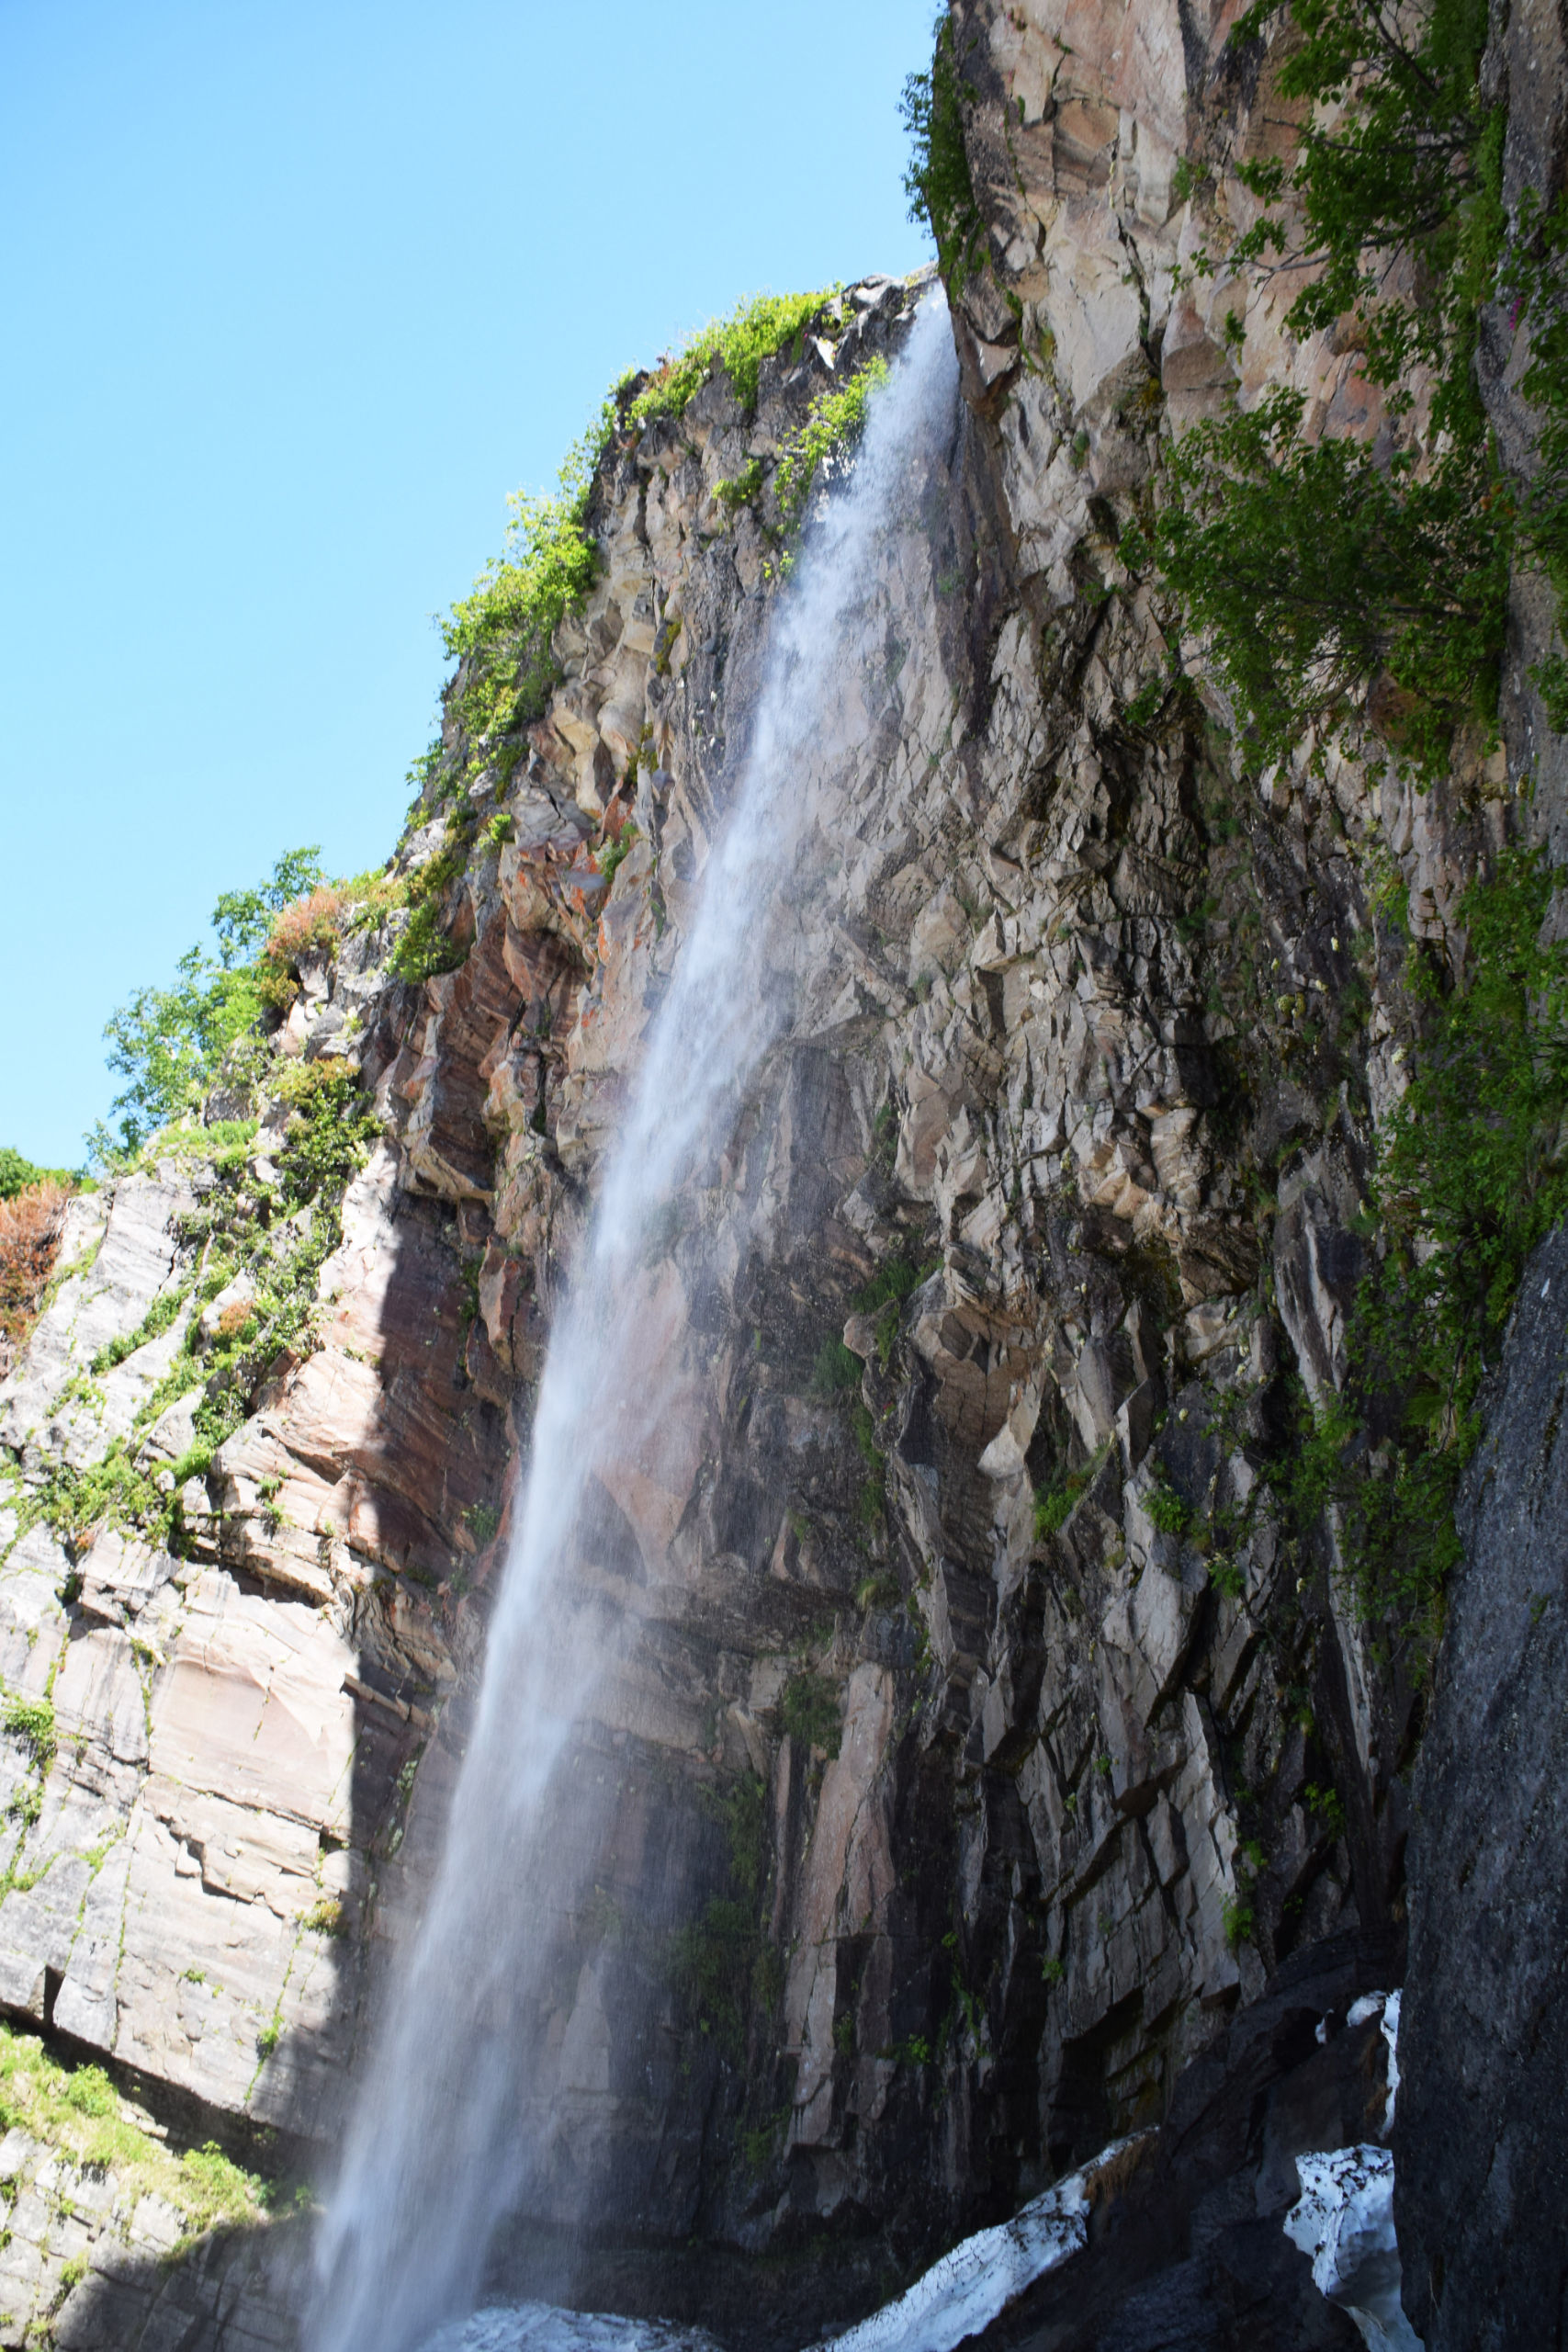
111, 1492
1239, 1918
328, 1135
501, 631
1320, 569
884, 1297
482, 1521
31, 1722
78, 2112
1399, 154
1052, 1507
1314, 568
712, 1965
731, 495
892, 1283
741, 1805
761, 326
1536, 276
314, 924
502, 634
19, 1175
937, 179
424, 950
166, 1043
871, 1502
90, 2092
833, 424
809, 1711
1470, 1179
156, 1321
1166, 1510
762, 2144
614, 852
723, 1966
1328, 1805
1053, 1503
835, 1370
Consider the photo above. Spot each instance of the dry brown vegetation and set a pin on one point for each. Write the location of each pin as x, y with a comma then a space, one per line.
29, 1237
310, 926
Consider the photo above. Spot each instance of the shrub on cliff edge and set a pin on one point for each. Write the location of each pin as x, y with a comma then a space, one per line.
758, 328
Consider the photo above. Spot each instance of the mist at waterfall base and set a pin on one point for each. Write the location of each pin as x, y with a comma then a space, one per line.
454, 2123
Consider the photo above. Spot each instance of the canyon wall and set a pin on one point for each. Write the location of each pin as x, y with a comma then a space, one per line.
991, 1751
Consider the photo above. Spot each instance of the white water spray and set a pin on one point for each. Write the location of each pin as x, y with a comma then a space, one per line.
449, 2130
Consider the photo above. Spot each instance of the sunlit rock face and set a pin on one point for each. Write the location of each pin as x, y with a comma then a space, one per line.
960, 1799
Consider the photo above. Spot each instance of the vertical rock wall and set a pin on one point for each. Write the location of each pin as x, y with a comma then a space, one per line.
1478, 2145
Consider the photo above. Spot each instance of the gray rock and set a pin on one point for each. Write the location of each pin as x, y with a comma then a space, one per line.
1480, 2151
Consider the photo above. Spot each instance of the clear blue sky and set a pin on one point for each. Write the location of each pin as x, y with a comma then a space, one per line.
294, 292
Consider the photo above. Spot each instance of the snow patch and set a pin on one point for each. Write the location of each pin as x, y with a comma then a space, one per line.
1344, 2222
954, 2299
540, 2327
1390, 2035
970, 2286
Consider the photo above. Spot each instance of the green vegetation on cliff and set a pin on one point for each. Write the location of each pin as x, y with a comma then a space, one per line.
78, 2113
937, 180
1472, 1176
1315, 566
1329, 578
1337, 584
834, 425
171, 1046
502, 633
758, 330
1319, 568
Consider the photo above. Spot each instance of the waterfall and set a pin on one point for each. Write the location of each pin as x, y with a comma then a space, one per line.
449, 2127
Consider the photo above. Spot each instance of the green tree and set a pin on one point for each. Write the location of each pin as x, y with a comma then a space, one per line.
1400, 153
167, 1043
1316, 569
243, 919
17, 1173
1313, 566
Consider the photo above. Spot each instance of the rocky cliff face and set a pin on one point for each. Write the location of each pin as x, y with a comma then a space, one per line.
974, 1655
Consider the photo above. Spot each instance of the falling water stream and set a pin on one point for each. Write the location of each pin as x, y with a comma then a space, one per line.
448, 2132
